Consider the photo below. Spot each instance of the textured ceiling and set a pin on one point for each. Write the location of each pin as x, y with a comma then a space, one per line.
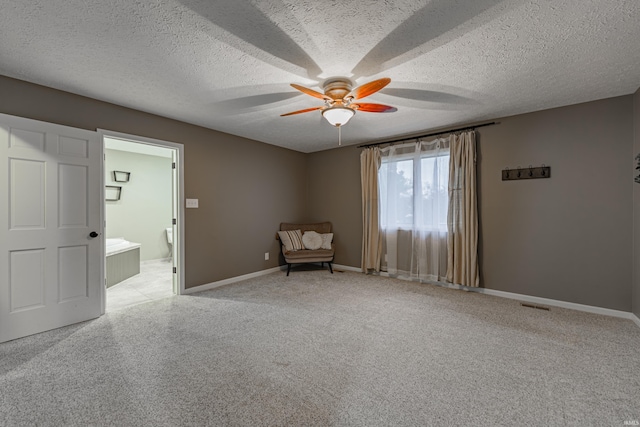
227, 64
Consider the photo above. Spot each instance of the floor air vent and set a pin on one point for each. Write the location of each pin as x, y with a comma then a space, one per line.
539, 307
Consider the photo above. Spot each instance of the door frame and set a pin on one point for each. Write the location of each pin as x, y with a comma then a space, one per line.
178, 237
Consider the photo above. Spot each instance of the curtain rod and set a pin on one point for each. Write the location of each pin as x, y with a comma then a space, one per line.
429, 134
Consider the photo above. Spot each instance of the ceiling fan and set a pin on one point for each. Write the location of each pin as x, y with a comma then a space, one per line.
338, 97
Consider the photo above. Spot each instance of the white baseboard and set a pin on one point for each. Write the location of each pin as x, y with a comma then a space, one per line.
545, 301
212, 285
635, 319
493, 292
539, 300
230, 280
556, 303
339, 267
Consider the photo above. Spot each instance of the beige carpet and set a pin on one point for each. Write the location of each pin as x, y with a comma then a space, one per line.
316, 349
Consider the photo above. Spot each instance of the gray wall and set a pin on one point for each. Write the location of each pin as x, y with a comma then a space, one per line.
334, 195
636, 206
144, 210
246, 188
567, 237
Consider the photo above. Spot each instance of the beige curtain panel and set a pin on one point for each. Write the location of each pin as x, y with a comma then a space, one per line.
462, 216
371, 235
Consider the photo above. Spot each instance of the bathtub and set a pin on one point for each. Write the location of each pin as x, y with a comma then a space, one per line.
123, 260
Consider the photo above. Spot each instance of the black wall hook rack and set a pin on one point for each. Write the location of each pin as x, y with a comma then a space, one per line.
526, 173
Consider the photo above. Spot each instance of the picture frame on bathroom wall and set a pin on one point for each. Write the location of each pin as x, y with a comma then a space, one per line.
112, 193
121, 176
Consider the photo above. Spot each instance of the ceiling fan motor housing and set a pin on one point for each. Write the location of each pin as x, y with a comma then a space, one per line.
337, 88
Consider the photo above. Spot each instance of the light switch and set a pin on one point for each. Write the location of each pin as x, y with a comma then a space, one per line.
192, 203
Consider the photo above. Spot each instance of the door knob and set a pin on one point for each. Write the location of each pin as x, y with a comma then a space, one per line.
93, 234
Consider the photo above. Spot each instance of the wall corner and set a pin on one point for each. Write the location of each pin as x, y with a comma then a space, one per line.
635, 286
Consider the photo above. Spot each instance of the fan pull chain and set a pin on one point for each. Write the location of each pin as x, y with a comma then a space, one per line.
339, 134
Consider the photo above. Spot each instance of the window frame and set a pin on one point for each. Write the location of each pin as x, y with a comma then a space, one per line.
443, 228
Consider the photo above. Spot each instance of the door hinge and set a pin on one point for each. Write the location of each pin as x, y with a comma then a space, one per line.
173, 165
175, 270
174, 221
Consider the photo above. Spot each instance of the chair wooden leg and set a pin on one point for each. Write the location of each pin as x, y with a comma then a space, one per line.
330, 269
288, 268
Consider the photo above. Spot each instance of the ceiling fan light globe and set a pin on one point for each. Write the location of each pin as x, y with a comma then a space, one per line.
338, 116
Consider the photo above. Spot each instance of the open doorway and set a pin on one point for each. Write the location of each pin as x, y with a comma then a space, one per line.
142, 220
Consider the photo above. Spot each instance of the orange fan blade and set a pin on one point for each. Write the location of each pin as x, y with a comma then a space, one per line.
306, 110
369, 88
311, 92
374, 108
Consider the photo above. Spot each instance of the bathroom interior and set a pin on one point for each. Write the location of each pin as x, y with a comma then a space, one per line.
139, 231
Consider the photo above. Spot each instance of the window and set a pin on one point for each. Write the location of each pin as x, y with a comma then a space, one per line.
414, 191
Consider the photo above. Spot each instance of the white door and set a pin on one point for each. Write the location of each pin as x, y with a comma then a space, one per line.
50, 265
